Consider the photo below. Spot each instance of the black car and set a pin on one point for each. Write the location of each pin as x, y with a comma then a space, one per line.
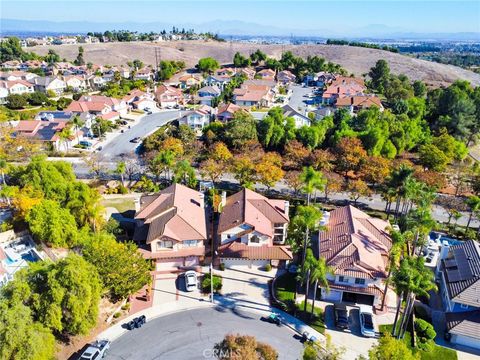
341, 316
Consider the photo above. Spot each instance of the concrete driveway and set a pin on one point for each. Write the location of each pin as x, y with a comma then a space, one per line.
171, 287
352, 340
249, 287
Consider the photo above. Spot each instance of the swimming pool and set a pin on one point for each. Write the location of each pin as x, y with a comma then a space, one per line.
440, 238
29, 256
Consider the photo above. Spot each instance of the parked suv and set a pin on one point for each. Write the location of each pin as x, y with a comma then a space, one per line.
366, 321
190, 280
341, 316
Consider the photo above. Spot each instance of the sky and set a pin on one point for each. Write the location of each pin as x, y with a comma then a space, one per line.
415, 16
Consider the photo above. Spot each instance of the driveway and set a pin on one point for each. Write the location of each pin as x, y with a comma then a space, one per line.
352, 340
192, 335
297, 99
171, 287
248, 287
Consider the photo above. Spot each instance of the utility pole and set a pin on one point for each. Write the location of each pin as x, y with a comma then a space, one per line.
157, 61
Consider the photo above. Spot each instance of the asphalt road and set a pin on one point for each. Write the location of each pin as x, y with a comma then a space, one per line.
121, 144
192, 335
297, 99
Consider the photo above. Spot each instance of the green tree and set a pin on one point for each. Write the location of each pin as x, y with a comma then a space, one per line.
258, 56
120, 170
208, 65
16, 101
80, 60
20, 337
431, 157
306, 219
312, 181
389, 348
473, 203
379, 75
419, 88
184, 173
122, 269
51, 223
52, 57
318, 276
241, 129
241, 61
37, 98
63, 296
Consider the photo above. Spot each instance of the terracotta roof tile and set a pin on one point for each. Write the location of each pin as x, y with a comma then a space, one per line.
236, 249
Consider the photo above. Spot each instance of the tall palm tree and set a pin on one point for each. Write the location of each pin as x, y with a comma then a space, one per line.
411, 279
307, 218
312, 180
305, 274
398, 243
318, 276
397, 181
120, 170
77, 123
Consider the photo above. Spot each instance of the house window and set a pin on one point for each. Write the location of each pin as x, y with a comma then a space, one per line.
190, 243
359, 281
255, 239
165, 244
342, 279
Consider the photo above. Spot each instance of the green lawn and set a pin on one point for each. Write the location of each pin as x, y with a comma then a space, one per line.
316, 321
285, 287
121, 204
438, 353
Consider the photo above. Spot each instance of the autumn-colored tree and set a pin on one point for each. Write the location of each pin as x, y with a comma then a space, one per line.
23, 199
244, 347
269, 169
295, 155
333, 183
431, 178
244, 171
321, 160
375, 170
212, 170
357, 189
349, 155
292, 179
172, 144
219, 152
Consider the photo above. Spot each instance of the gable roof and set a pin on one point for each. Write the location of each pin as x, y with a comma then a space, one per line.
466, 323
461, 270
249, 207
230, 108
355, 244
236, 249
289, 111
176, 212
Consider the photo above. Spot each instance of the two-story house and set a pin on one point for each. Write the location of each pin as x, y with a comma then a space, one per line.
46, 83
285, 77
356, 246
17, 87
459, 272
206, 94
197, 119
168, 96
171, 227
252, 230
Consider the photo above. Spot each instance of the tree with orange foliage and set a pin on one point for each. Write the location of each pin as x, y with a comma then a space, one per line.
292, 179
333, 183
349, 155
375, 170
269, 169
295, 154
243, 169
172, 144
357, 189
321, 160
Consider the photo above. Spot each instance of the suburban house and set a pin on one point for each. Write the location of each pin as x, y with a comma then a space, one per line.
11, 64
171, 227
300, 120
266, 74
206, 94
247, 72
197, 119
253, 95
46, 83
356, 103
188, 80
252, 230
144, 74
17, 75
226, 112
46, 133
285, 77
75, 82
459, 272
217, 80
343, 87
55, 116
139, 99
104, 107
17, 87
356, 246
168, 96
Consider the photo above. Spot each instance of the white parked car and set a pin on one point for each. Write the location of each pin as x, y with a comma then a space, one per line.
191, 282
367, 326
96, 350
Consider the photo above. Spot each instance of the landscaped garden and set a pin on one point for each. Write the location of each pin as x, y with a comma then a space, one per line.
435, 352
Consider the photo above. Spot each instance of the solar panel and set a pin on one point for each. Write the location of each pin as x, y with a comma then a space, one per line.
453, 275
463, 264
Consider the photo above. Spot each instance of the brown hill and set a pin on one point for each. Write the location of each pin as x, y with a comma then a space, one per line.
354, 59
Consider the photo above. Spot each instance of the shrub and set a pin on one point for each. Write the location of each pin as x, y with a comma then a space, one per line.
126, 306
117, 315
122, 189
222, 266
268, 267
217, 283
424, 329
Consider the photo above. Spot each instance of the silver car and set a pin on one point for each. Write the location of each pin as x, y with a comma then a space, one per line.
191, 282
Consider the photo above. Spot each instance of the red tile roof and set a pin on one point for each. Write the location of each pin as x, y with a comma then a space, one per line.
236, 249
171, 254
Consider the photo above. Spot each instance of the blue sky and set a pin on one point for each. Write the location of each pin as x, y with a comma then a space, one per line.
417, 16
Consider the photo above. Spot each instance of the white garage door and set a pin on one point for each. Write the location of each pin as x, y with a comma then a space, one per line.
233, 263
466, 340
163, 265
333, 295
191, 261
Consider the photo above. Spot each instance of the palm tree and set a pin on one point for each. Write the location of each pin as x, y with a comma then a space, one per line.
120, 170
397, 181
473, 203
318, 275
312, 180
65, 136
411, 279
77, 123
398, 243
307, 218
305, 272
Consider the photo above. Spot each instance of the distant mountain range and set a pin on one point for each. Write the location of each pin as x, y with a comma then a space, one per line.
222, 27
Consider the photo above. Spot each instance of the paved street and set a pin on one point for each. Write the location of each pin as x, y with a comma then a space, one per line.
192, 334
121, 143
298, 97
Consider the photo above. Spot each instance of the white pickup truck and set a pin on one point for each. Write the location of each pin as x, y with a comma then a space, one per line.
96, 350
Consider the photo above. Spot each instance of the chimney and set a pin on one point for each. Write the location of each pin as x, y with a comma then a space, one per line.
137, 204
224, 198
287, 208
